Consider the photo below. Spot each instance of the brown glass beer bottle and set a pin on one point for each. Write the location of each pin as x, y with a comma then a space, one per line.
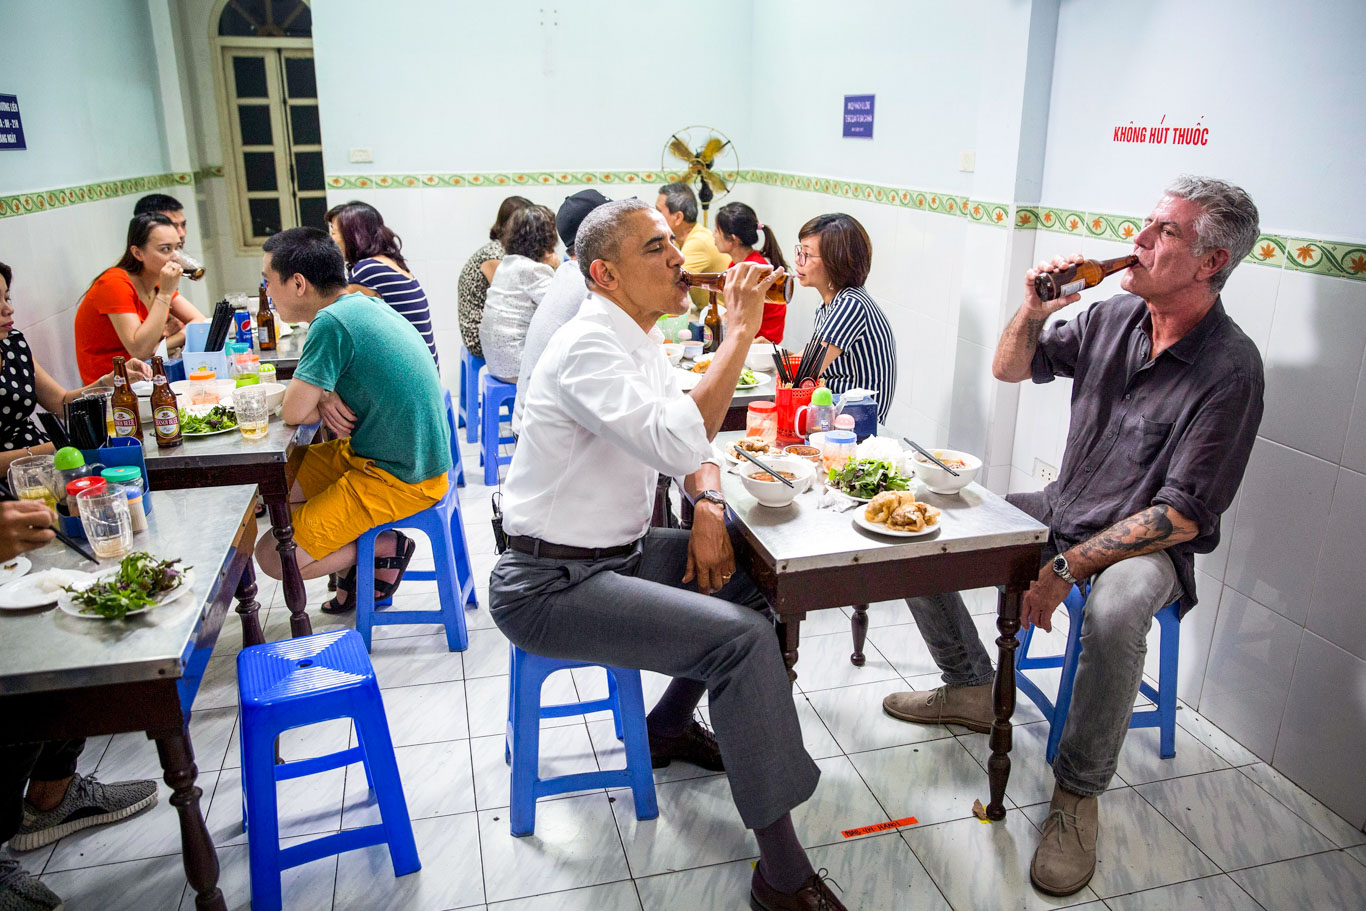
1079, 276
780, 292
265, 324
165, 411
127, 422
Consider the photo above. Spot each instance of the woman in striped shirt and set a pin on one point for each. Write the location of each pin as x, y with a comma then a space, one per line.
372, 254
834, 256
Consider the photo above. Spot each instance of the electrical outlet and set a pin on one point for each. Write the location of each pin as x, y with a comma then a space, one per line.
967, 161
1044, 472
362, 156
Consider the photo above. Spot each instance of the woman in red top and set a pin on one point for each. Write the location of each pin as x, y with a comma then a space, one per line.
737, 234
133, 305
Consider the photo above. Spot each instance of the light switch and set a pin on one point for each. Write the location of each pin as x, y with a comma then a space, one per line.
360, 156
967, 161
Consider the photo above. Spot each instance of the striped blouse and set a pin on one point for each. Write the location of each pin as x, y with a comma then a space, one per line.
399, 291
854, 323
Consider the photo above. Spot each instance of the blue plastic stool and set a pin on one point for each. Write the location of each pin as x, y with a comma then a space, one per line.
469, 393
302, 681
457, 463
1164, 697
494, 395
521, 749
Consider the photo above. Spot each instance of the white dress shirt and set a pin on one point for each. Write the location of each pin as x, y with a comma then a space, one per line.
604, 416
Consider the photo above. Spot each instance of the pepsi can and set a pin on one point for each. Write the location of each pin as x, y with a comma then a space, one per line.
244, 329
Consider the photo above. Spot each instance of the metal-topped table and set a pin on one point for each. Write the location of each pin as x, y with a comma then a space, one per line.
285, 357
228, 459
805, 558
63, 677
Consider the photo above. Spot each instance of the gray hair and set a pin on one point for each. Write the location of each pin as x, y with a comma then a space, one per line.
1229, 221
679, 197
602, 231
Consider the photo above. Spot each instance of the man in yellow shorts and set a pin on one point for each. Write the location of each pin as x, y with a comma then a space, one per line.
367, 373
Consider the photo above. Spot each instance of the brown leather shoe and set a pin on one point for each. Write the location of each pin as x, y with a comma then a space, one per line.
696, 745
1065, 859
814, 895
969, 706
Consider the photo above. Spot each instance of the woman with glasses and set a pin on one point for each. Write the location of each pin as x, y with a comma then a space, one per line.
833, 256
737, 233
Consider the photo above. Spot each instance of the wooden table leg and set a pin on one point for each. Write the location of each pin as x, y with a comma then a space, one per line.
196, 846
295, 598
248, 606
789, 634
858, 625
1003, 696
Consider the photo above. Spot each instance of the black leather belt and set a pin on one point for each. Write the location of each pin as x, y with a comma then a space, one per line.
538, 548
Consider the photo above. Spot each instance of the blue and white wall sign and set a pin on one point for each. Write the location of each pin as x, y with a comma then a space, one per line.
858, 116
11, 131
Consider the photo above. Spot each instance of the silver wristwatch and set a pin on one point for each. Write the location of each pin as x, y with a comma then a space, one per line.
714, 496
1060, 567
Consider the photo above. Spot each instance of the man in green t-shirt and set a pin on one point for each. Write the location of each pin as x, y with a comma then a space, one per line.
366, 373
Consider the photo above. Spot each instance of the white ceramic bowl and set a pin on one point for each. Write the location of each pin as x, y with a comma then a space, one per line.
674, 351
776, 493
275, 392
760, 357
692, 350
940, 481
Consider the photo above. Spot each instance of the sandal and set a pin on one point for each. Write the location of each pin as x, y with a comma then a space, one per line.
345, 585
403, 555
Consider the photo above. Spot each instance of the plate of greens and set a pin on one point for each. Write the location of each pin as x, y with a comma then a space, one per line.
749, 379
207, 420
864, 479
140, 583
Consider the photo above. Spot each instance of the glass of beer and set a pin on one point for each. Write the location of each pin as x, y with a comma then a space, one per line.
193, 268
107, 522
252, 417
33, 478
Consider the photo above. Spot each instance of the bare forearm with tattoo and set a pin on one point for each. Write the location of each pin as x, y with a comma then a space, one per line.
1015, 350
1155, 528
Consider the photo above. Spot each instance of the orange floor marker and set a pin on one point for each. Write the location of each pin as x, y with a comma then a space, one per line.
879, 827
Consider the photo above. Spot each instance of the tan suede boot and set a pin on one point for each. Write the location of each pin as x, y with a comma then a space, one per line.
1065, 859
969, 706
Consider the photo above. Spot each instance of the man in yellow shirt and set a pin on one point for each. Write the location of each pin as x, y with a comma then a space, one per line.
678, 204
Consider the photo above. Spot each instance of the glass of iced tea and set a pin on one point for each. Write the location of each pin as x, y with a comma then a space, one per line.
107, 522
33, 478
252, 416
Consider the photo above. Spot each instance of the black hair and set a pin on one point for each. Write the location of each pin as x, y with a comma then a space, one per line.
139, 230
365, 234
739, 221
530, 232
308, 252
679, 197
505, 210
7, 274
846, 250
156, 202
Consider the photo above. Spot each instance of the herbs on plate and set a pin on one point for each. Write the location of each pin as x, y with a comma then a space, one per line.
140, 582
865, 478
196, 419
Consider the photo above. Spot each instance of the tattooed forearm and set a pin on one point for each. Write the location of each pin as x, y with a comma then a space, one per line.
1015, 350
1155, 528
1033, 329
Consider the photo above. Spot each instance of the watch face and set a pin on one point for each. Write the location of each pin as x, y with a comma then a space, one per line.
1060, 563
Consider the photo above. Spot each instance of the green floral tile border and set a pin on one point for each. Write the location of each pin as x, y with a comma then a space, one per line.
501, 179
939, 202
43, 200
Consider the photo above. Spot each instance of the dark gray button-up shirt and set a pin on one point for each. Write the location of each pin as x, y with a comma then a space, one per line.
1175, 429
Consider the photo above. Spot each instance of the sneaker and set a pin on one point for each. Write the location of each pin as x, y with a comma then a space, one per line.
697, 745
969, 706
21, 892
1065, 859
87, 803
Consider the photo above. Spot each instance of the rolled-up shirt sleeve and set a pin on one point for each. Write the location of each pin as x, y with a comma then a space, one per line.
1059, 349
1208, 462
604, 390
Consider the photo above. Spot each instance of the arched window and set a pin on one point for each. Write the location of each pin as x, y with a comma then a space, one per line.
269, 114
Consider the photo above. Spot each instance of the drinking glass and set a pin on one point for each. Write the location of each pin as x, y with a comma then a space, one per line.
192, 268
106, 393
252, 417
33, 478
107, 523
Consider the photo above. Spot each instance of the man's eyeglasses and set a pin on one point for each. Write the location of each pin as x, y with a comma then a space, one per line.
801, 257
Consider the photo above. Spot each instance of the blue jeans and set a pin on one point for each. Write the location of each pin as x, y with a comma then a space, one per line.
1119, 613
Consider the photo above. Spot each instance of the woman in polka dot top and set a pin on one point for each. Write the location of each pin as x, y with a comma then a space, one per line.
26, 384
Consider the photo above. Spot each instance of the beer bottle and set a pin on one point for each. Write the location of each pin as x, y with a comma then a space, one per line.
265, 324
1079, 276
165, 411
712, 322
780, 292
127, 422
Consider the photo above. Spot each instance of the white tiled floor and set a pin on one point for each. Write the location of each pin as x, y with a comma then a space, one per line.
1212, 828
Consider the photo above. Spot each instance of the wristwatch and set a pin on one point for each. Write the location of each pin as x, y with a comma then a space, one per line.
714, 496
1060, 567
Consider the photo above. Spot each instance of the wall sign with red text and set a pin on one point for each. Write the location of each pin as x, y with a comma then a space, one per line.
1160, 134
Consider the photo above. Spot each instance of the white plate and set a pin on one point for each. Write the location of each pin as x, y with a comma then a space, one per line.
880, 529
13, 569
211, 433
845, 493
27, 593
763, 378
689, 380
735, 459
142, 388
186, 583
